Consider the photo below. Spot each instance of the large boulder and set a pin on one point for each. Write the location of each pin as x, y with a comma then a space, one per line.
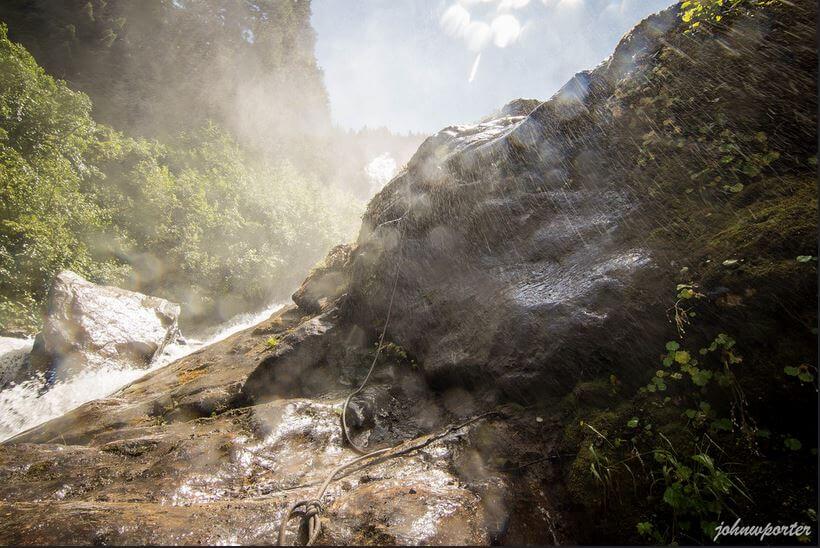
91, 326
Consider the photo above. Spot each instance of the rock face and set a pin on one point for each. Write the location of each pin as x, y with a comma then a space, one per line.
326, 282
88, 326
518, 260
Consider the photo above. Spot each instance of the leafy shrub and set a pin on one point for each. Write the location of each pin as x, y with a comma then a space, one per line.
194, 219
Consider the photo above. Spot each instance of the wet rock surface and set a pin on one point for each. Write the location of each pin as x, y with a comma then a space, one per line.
513, 258
13, 359
142, 467
88, 325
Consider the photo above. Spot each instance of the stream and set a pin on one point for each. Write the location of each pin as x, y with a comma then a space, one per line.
26, 405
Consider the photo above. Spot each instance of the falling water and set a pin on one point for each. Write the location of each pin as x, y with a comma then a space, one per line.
25, 405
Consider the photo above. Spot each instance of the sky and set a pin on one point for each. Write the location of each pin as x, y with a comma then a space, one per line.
422, 65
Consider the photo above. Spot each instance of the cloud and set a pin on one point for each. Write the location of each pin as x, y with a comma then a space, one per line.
477, 35
505, 29
470, 3
502, 31
563, 5
507, 5
455, 20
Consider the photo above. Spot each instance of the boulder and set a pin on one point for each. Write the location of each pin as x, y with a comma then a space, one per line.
527, 258
327, 281
90, 326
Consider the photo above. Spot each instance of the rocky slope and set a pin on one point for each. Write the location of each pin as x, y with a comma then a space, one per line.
529, 266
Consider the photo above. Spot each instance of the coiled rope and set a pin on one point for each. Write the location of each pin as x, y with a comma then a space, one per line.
311, 510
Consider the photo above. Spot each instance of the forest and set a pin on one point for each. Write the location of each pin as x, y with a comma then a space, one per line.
139, 163
584, 319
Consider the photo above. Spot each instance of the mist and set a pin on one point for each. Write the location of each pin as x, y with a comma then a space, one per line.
388, 272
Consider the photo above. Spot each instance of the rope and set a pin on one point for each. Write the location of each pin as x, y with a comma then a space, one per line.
345, 432
311, 514
312, 509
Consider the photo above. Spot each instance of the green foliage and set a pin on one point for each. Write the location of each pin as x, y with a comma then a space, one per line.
693, 488
47, 220
695, 12
396, 353
803, 372
792, 444
271, 342
734, 197
193, 220
696, 489
155, 68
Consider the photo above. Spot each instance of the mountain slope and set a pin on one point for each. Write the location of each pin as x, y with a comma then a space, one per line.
625, 278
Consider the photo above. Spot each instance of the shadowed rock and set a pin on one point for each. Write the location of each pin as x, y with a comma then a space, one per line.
527, 255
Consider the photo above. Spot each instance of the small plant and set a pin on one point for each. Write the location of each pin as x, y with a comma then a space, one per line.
686, 293
695, 12
803, 372
696, 489
271, 342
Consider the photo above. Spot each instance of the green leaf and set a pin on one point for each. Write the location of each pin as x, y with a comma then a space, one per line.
805, 376
791, 371
671, 346
644, 528
683, 472
793, 444
674, 497
737, 187
750, 169
686, 293
805, 258
701, 377
721, 425
682, 356
633, 422
705, 460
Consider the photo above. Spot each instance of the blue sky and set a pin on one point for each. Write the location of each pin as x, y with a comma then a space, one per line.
407, 64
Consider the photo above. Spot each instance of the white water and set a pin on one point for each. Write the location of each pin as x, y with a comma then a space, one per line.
22, 406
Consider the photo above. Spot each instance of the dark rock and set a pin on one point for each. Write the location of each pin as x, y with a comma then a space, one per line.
525, 263
326, 282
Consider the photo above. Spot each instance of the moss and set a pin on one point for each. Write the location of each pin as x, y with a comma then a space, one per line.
189, 375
